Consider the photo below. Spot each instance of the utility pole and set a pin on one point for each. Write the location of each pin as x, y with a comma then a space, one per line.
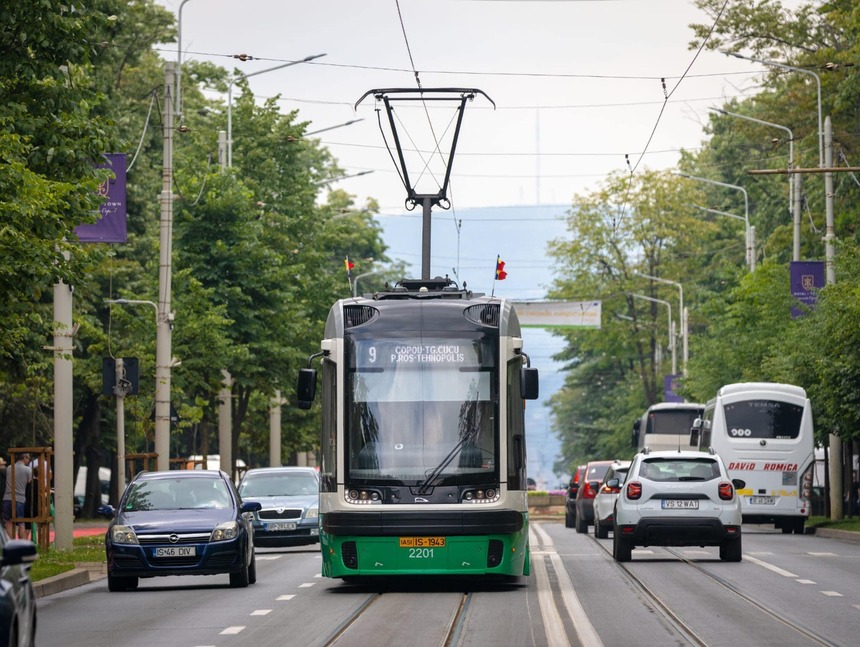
164, 328
63, 407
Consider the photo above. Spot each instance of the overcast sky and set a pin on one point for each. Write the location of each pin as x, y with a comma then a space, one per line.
576, 85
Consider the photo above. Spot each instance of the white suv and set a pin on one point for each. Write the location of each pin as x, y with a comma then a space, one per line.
677, 498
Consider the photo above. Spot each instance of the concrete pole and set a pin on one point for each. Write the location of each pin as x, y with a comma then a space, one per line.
120, 430
798, 180
225, 424
837, 511
275, 430
222, 149
63, 409
165, 317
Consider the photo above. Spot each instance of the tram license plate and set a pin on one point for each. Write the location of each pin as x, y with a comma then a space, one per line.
762, 500
680, 504
422, 542
176, 551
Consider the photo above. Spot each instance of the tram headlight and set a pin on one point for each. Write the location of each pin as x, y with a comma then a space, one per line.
480, 495
363, 497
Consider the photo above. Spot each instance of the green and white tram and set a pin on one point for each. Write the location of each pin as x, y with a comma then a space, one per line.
423, 443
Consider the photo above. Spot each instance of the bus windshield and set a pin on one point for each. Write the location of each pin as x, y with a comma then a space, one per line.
769, 419
419, 407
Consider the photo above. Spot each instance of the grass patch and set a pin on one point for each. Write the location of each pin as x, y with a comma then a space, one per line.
54, 562
849, 523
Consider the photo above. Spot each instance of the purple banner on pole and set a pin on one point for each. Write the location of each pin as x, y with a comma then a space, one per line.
807, 278
670, 383
111, 227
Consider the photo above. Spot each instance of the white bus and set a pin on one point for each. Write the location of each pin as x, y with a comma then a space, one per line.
666, 425
763, 432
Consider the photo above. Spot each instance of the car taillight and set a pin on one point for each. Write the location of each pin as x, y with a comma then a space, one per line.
634, 490
727, 491
610, 490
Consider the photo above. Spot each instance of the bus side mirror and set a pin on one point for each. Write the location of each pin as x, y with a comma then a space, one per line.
637, 424
306, 389
739, 484
529, 386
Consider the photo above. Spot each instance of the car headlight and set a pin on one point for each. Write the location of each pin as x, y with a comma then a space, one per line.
225, 531
312, 513
123, 535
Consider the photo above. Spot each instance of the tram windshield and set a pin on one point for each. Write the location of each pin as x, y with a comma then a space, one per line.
422, 408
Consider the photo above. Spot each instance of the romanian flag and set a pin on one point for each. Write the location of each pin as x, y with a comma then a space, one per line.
348, 264
501, 275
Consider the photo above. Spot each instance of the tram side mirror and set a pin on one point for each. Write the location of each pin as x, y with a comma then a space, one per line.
306, 389
529, 387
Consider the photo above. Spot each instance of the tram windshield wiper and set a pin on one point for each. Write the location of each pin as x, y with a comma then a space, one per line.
468, 436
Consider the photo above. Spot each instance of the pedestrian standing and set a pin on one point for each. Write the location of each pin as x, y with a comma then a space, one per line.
18, 477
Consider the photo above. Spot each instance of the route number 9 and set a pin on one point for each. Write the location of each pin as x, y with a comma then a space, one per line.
372, 353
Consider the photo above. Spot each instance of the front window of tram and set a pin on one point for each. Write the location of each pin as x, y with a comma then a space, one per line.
422, 407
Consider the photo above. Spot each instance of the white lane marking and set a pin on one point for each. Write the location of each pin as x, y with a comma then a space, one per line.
286, 597
555, 634
760, 553
696, 552
832, 594
857, 606
306, 585
821, 554
543, 537
231, 631
261, 612
805, 582
771, 567
318, 575
267, 558
584, 629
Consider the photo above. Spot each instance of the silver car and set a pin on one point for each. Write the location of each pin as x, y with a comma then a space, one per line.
604, 500
289, 497
677, 498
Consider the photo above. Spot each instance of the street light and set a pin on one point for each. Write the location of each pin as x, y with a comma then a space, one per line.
230, 97
750, 250
322, 130
671, 335
794, 179
818, 85
730, 215
683, 314
339, 178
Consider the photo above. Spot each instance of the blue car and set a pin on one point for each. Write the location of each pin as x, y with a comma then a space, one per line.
289, 499
181, 522
17, 599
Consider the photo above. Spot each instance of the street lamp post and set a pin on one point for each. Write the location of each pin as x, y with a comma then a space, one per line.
750, 234
818, 86
683, 315
671, 324
794, 179
230, 97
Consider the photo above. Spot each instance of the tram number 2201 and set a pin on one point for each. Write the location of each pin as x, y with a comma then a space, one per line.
421, 553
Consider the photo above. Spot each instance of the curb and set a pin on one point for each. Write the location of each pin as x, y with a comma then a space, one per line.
68, 580
843, 535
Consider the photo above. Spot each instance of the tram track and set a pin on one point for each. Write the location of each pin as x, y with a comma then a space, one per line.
688, 633
349, 631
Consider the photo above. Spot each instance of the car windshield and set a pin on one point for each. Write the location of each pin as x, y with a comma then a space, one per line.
679, 469
278, 485
176, 494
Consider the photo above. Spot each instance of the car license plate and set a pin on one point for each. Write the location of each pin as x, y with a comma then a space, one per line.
281, 526
680, 504
762, 500
422, 542
176, 551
